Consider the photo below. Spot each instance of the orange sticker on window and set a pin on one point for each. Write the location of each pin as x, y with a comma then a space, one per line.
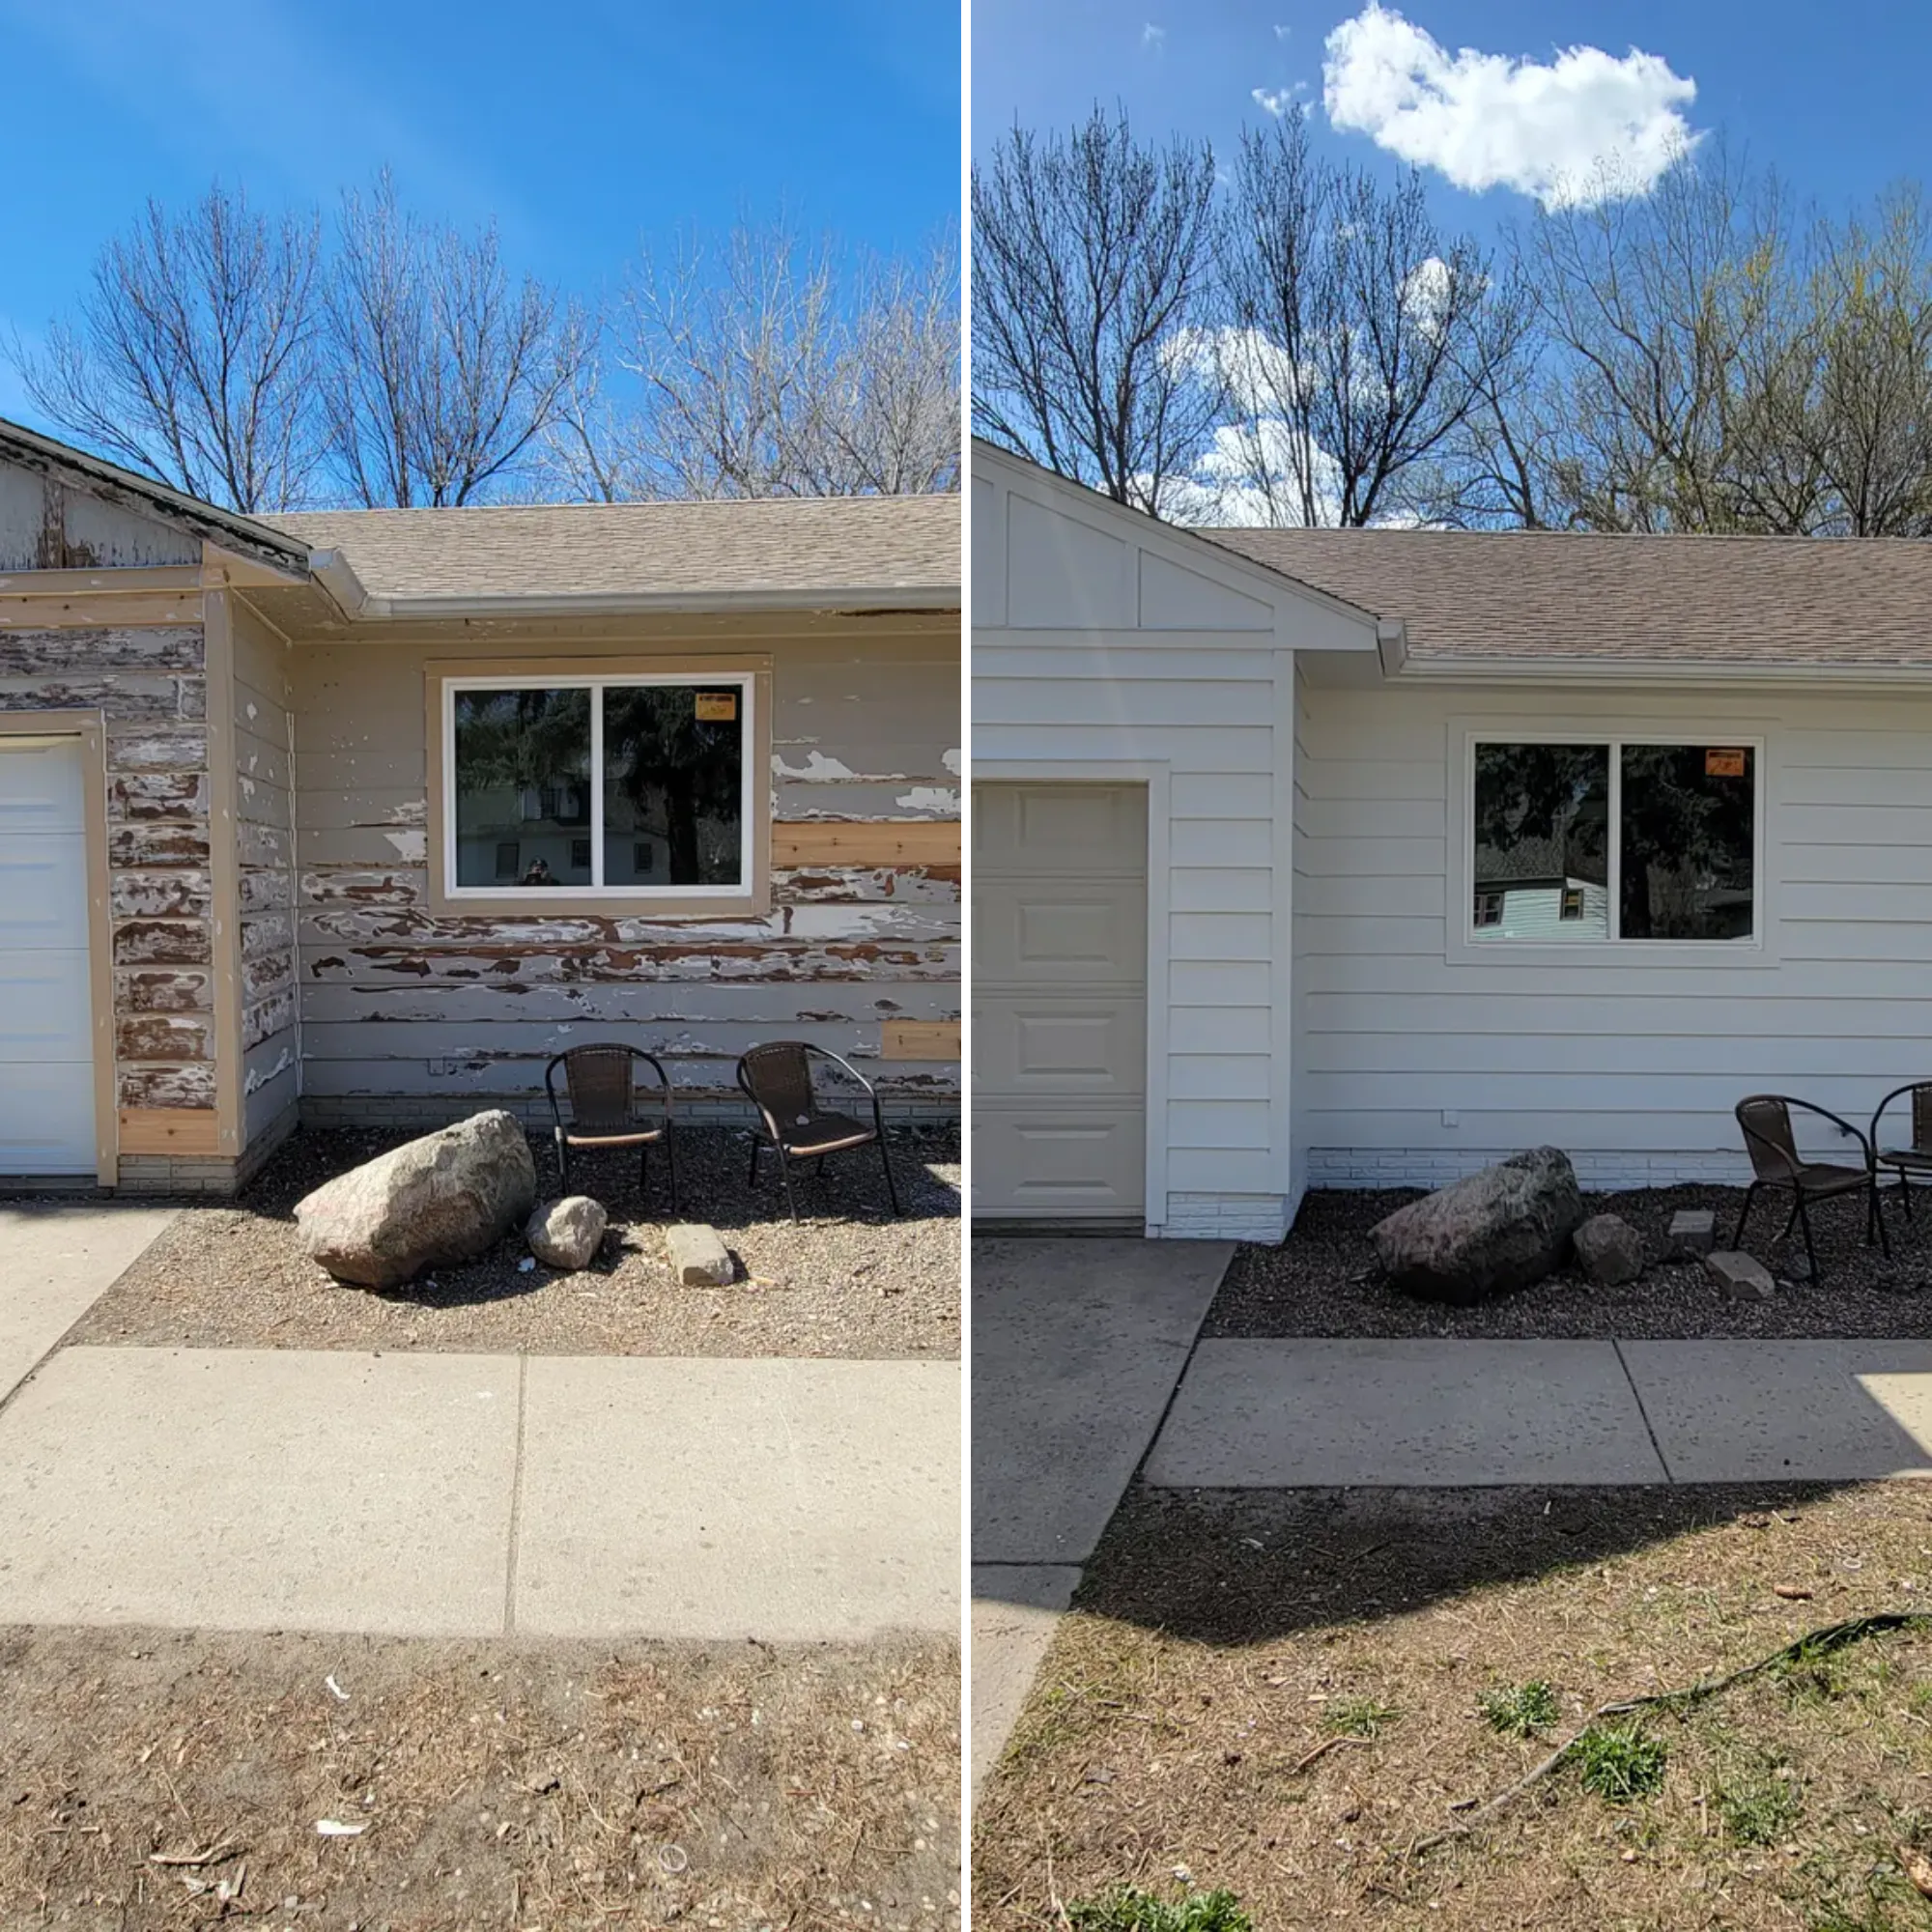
716, 707
1723, 764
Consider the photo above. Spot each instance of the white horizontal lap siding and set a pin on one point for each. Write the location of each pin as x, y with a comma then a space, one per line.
1632, 1064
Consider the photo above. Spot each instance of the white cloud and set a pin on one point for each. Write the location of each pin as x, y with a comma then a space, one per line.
1277, 100
1154, 37
1569, 131
1282, 33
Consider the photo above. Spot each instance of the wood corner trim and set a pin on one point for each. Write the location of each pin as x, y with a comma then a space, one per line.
170, 1131
919, 1040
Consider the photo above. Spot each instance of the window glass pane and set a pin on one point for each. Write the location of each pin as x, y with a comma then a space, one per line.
1541, 867
521, 763
1689, 837
673, 784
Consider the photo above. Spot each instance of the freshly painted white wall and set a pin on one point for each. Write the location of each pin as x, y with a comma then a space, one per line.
1107, 646
1629, 1060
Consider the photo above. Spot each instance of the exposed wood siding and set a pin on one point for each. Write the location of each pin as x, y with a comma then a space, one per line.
148, 685
266, 872
399, 1003
47, 526
1631, 1063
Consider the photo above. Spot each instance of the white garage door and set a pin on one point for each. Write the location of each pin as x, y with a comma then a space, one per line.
1060, 1002
46, 1035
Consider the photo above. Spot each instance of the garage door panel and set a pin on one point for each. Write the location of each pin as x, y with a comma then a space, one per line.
1049, 1047
1054, 931
1060, 1002
46, 1029
1066, 828
1058, 1164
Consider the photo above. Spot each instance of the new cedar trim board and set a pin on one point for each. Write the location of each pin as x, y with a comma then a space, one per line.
267, 942
1305, 711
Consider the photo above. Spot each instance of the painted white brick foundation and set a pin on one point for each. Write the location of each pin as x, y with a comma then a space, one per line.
1597, 1173
1226, 1218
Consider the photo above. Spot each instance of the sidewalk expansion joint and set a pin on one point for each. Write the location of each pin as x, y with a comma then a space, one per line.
516, 1500
1637, 1396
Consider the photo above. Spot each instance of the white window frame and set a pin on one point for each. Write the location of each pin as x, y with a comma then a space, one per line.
1465, 948
743, 682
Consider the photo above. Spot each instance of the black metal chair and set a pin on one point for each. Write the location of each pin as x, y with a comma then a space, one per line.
601, 1081
1916, 1157
777, 1079
1776, 1162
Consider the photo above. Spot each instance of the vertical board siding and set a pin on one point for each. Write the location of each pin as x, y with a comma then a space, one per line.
409, 1013
264, 861
147, 684
1633, 1064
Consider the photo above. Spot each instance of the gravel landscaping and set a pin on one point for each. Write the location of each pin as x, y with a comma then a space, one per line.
847, 1280
1324, 1280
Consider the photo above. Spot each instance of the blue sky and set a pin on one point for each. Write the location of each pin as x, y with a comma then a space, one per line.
1831, 96
580, 124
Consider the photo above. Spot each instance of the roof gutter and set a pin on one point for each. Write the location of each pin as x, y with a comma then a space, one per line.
1650, 670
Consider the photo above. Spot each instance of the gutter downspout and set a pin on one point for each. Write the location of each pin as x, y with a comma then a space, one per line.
1392, 644
332, 570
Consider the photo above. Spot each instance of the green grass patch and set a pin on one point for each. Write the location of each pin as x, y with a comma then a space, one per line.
1759, 1809
1129, 1908
1522, 1710
1358, 1717
1620, 1763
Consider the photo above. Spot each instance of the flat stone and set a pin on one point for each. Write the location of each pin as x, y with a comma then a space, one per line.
1693, 1231
1610, 1250
567, 1234
698, 1257
1741, 1277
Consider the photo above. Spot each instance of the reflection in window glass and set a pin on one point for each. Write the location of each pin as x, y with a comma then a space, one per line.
1542, 851
1688, 842
522, 766
673, 784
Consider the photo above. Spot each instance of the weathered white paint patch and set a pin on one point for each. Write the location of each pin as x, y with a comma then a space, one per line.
817, 769
410, 845
253, 713
951, 760
930, 798
247, 788
258, 1079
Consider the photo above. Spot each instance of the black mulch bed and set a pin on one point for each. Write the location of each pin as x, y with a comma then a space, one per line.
1323, 1281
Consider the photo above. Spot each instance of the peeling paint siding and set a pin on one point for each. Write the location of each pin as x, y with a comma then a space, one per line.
148, 685
399, 1003
39, 517
265, 867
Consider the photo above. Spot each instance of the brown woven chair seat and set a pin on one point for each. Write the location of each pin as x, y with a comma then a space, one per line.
607, 1110
592, 1136
777, 1079
1772, 1143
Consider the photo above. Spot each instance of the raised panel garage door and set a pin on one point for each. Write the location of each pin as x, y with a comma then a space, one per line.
1060, 1002
47, 1034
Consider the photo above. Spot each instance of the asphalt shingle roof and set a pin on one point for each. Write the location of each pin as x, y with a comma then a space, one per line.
775, 546
1554, 595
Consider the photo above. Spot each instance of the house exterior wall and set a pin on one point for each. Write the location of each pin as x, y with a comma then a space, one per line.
263, 945
1108, 647
411, 1015
1630, 1061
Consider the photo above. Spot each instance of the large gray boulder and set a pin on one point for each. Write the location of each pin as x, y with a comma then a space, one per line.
1504, 1228
443, 1198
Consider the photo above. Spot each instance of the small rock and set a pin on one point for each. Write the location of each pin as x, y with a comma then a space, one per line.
1798, 1267
697, 1257
567, 1234
1693, 1231
1740, 1276
1610, 1250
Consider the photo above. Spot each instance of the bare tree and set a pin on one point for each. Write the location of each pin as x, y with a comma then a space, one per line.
443, 375
1358, 340
192, 353
1091, 261
771, 367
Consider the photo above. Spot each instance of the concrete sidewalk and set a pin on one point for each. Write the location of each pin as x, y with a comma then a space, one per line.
1294, 1414
469, 1495
57, 1258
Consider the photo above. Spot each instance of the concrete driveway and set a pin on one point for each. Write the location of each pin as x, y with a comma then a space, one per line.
57, 1258
1077, 1346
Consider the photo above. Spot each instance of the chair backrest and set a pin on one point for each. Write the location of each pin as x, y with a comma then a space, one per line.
778, 1077
1766, 1121
1921, 1116
600, 1083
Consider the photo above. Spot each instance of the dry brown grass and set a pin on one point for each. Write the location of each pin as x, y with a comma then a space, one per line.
1174, 1724
500, 1786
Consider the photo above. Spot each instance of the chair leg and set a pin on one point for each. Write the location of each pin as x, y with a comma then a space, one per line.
891, 1186
1750, 1195
1805, 1222
670, 1161
1876, 1219
562, 1165
645, 1173
792, 1199
1905, 1192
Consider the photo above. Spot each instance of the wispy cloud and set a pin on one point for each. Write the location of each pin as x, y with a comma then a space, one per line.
1570, 130
1278, 101
1155, 38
